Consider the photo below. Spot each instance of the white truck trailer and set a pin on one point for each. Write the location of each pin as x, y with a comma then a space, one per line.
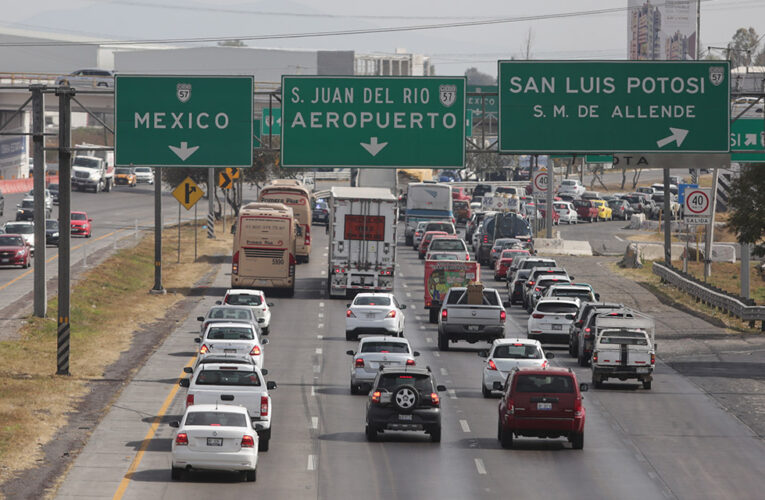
362, 236
624, 348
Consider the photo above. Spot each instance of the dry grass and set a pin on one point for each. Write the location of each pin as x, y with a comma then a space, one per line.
34, 402
724, 275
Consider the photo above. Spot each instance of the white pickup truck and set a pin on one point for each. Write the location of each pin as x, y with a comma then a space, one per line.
460, 320
624, 348
234, 384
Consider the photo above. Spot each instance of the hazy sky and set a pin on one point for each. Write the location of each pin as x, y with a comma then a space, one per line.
602, 36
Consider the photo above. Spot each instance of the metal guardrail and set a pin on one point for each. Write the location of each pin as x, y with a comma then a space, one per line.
706, 295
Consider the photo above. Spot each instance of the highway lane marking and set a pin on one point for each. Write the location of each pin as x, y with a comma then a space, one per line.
429, 340
615, 236
314, 422
404, 285
408, 294
321, 304
436, 354
149, 436
316, 368
444, 372
320, 325
320, 315
313, 390
318, 350
324, 254
479, 466
312, 459
422, 327
320, 336
465, 426
323, 272
452, 393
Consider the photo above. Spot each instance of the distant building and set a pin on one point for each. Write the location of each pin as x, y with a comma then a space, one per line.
645, 27
680, 47
399, 64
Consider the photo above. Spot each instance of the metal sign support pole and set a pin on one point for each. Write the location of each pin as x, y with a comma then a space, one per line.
158, 288
745, 270
711, 229
65, 95
195, 232
667, 220
179, 232
210, 203
38, 140
549, 199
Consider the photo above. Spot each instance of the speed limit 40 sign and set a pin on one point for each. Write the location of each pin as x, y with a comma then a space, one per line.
540, 181
697, 205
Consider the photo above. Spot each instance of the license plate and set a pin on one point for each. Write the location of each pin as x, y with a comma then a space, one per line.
557, 327
544, 406
371, 315
229, 351
642, 370
473, 328
6, 260
405, 417
214, 441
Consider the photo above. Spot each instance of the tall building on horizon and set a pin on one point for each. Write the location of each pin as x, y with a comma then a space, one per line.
645, 30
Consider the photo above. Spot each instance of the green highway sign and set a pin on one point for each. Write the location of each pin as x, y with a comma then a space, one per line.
275, 127
183, 121
599, 159
387, 122
478, 103
614, 106
748, 134
468, 123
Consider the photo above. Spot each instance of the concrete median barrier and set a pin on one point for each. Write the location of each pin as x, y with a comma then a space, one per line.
552, 246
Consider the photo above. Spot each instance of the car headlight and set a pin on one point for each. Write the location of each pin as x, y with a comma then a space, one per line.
19, 253
54, 235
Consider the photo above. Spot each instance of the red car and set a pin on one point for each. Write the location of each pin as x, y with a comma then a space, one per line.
555, 215
586, 210
505, 260
14, 251
544, 403
81, 224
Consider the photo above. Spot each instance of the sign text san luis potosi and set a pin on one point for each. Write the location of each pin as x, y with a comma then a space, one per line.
614, 106
373, 121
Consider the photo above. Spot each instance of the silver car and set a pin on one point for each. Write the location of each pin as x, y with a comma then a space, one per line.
232, 339
230, 314
374, 352
87, 78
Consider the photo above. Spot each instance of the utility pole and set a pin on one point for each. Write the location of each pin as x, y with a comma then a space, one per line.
38, 148
158, 288
667, 220
711, 229
65, 95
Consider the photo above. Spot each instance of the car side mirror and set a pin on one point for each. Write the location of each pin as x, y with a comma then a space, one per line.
550, 355
347, 305
440, 388
184, 382
403, 306
197, 340
483, 354
416, 353
270, 304
264, 341
90, 220
175, 424
498, 386
264, 371
572, 278
597, 296
350, 353
218, 303
270, 385
188, 369
584, 387
200, 318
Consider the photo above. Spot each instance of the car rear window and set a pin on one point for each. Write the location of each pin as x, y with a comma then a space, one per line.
243, 299
544, 283
223, 419
228, 377
623, 337
579, 294
228, 313
372, 301
440, 226
421, 382
557, 384
451, 245
78, 216
529, 264
517, 351
11, 241
229, 333
556, 307
385, 347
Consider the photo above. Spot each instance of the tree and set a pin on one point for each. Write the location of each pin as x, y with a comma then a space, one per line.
747, 201
743, 47
475, 77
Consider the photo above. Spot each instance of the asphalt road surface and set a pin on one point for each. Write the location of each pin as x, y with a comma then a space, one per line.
674, 441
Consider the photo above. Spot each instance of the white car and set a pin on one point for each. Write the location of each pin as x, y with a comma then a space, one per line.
571, 186
448, 244
144, 175
229, 314
581, 292
87, 78
506, 354
552, 318
375, 352
256, 300
233, 339
25, 228
444, 256
215, 437
48, 198
566, 212
375, 313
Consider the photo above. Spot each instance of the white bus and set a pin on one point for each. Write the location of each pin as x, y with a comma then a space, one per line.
295, 195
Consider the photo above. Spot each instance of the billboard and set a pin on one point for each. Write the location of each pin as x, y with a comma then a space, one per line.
661, 30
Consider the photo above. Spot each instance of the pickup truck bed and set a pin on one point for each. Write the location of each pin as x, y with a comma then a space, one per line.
459, 320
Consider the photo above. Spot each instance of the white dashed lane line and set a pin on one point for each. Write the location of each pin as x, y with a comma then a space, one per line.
318, 350
321, 304
436, 354
479, 466
312, 459
452, 393
320, 336
444, 372
313, 390
315, 423
316, 368
465, 426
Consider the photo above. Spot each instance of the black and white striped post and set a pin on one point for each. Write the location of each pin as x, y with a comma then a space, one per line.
65, 95
210, 203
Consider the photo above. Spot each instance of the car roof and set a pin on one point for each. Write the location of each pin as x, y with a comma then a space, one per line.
217, 407
241, 367
78, 212
237, 324
229, 307
404, 370
223, 359
572, 286
572, 300
243, 291
384, 338
506, 341
550, 370
20, 222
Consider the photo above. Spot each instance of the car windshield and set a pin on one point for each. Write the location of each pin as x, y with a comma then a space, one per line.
28, 204
79, 216
124, 171
51, 224
556, 307
444, 256
385, 347
517, 351
230, 313
567, 183
558, 384
451, 245
623, 337
19, 228
421, 382
223, 419
230, 333
82, 161
372, 301
11, 241
230, 376
243, 299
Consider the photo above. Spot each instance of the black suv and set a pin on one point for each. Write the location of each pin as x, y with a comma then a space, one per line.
404, 399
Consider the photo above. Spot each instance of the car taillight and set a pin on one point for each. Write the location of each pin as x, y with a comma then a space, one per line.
248, 441
263, 406
578, 407
444, 315
492, 365
434, 399
467, 256
537, 316
595, 357
376, 396
203, 349
349, 314
579, 323
182, 439
537, 289
307, 235
391, 314
359, 363
653, 358
410, 362
510, 406
544, 364
255, 351
189, 399
530, 283
502, 315
235, 264
485, 238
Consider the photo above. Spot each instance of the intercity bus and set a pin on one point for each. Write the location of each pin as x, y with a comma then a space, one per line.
264, 248
295, 195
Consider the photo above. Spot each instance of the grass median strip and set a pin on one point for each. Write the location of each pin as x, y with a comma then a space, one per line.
108, 304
